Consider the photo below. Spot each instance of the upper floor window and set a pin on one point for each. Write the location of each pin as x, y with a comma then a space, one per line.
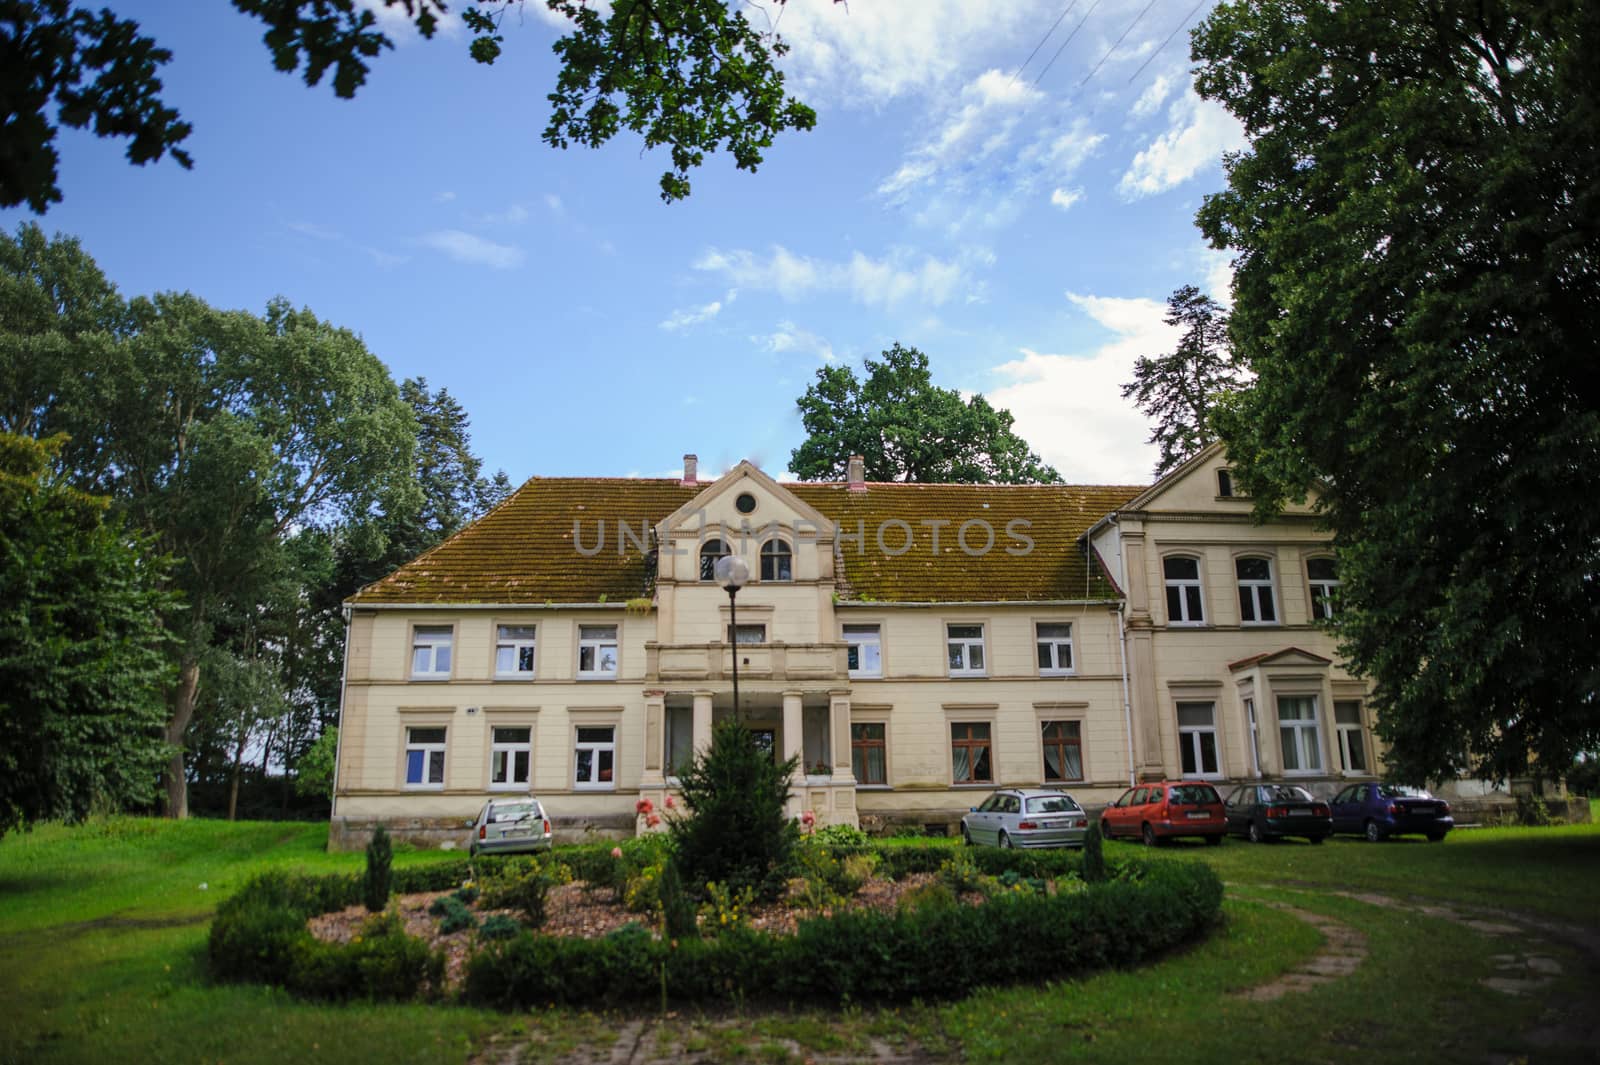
1323, 576
864, 656
1183, 590
1256, 603
777, 561
1225, 483
1054, 642
965, 644
430, 651
710, 551
425, 757
514, 650
597, 651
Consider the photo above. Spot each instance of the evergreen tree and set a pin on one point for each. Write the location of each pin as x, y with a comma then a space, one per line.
1178, 390
738, 833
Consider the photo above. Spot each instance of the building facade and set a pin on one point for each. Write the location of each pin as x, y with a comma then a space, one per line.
914, 646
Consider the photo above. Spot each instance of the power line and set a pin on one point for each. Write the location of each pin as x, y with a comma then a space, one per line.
1174, 33
1119, 41
1066, 42
1043, 39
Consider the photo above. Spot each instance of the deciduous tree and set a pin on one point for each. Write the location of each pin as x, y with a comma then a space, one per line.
908, 429
1417, 229
1178, 390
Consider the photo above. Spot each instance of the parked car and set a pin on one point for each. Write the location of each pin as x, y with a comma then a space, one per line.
1264, 812
1168, 810
1026, 817
1379, 811
504, 826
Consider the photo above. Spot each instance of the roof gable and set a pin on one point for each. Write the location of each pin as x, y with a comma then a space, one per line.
1288, 656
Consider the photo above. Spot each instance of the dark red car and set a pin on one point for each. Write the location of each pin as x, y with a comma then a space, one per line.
1168, 810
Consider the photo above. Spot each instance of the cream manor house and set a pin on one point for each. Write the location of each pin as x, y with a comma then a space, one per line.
916, 645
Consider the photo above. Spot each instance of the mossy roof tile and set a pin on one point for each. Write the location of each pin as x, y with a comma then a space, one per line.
524, 550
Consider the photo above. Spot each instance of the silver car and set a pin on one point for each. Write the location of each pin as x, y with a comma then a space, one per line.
1026, 817
506, 825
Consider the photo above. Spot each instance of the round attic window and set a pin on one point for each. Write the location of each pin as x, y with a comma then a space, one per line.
746, 502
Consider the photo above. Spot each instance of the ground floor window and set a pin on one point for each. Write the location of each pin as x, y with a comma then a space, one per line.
1352, 737
868, 754
425, 757
1197, 739
510, 756
1297, 729
1063, 750
971, 757
596, 756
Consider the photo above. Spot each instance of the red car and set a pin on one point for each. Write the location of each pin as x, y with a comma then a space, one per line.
1168, 810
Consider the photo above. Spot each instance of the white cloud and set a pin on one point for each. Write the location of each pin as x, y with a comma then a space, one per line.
790, 337
1065, 198
695, 316
316, 232
552, 201
514, 215
899, 277
468, 248
1199, 131
1152, 98
1069, 407
444, 197
864, 55
394, 21
980, 126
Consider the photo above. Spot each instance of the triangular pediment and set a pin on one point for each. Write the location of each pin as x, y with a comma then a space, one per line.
1289, 656
717, 506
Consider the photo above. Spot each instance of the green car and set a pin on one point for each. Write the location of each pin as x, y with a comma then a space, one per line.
505, 826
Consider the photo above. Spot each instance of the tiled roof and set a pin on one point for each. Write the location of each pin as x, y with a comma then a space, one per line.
523, 550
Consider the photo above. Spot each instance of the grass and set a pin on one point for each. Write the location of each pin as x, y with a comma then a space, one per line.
102, 932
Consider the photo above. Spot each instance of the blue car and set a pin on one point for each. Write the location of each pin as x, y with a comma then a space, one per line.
1379, 811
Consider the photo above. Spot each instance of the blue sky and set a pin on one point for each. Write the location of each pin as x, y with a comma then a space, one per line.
1023, 233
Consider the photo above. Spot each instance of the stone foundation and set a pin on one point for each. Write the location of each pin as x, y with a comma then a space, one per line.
453, 833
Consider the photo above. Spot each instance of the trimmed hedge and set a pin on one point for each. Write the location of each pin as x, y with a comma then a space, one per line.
260, 935
864, 957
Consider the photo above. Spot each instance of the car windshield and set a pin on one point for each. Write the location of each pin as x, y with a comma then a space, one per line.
1194, 794
513, 811
1400, 791
1053, 804
1287, 793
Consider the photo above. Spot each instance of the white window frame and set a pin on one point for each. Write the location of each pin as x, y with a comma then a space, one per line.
866, 635
705, 552
967, 645
1322, 589
1182, 584
516, 645
1256, 591
1255, 737
1352, 736
598, 644
1303, 736
596, 748
786, 555
433, 639
1190, 740
1054, 646
427, 748
747, 629
510, 749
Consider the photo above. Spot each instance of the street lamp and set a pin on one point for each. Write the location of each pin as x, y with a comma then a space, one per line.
732, 571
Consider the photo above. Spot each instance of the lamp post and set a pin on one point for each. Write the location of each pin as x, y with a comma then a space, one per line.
732, 571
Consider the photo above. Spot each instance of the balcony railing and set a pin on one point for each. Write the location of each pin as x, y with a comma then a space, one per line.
757, 661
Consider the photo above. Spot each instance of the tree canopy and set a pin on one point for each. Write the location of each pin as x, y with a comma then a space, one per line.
906, 428
1178, 390
83, 671
692, 75
1417, 229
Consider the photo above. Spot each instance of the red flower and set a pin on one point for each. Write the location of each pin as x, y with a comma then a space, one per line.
616, 852
643, 806
808, 819
670, 803
652, 820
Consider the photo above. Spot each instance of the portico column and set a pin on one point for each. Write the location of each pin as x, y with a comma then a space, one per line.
654, 724
793, 726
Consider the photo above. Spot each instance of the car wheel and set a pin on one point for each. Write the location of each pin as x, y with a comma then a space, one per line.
1105, 829
1149, 835
1256, 835
1374, 833
1436, 837
1005, 841
966, 836
472, 851
1213, 841
1318, 839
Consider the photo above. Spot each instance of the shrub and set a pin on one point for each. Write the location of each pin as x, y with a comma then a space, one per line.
455, 913
1531, 810
523, 889
737, 834
1094, 858
935, 895
725, 910
498, 926
677, 908
839, 836
961, 872
380, 962
643, 893
467, 894
380, 858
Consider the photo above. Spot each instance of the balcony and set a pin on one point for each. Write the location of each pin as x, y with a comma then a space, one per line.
757, 661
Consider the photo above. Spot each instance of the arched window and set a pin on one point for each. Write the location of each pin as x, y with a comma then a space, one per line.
776, 561
1183, 590
1323, 576
1257, 604
710, 551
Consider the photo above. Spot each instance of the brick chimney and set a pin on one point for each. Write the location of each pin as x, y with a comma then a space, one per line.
858, 474
691, 467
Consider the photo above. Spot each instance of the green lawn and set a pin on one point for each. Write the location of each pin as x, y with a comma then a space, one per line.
102, 932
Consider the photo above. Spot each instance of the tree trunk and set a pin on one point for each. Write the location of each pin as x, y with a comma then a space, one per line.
238, 770
183, 699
